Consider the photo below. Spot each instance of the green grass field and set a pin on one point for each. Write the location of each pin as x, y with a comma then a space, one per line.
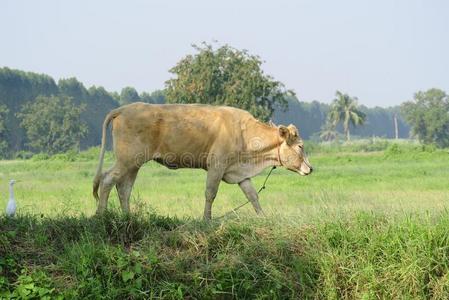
362, 226
345, 183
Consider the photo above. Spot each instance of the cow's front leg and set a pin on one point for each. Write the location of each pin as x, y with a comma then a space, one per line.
251, 194
213, 181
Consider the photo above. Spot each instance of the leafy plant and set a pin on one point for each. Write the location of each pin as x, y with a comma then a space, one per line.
53, 124
33, 285
226, 76
428, 113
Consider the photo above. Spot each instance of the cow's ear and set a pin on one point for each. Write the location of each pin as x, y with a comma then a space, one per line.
294, 132
284, 132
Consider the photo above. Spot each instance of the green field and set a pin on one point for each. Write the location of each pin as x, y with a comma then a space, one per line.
364, 225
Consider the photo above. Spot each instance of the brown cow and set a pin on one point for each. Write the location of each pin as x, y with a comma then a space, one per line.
229, 143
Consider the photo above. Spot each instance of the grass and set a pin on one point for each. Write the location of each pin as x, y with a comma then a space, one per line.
363, 226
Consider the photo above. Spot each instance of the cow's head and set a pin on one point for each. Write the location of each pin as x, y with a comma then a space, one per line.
291, 151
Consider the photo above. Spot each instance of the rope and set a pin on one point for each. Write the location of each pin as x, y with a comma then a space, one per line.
258, 192
264, 183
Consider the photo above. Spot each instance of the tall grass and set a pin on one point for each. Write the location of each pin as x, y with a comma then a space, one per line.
143, 255
367, 145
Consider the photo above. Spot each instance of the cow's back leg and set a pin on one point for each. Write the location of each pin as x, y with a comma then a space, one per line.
214, 177
251, 194
109, 179
124, 187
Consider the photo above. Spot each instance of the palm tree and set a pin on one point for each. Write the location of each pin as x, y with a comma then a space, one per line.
345, 109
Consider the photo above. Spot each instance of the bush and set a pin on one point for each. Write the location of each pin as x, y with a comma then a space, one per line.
23, 155
414, 151
32, 285
393, 150
360, 145
68, 156
40, 156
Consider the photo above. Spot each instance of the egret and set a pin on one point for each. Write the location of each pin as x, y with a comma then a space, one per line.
11, 206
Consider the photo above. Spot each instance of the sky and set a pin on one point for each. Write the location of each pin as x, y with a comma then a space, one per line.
379, 51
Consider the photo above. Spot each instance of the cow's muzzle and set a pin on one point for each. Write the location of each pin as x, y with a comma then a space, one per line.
305, 169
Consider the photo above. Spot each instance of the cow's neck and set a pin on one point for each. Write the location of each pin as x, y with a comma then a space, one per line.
262, 145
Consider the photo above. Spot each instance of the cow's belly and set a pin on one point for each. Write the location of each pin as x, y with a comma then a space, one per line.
173, 161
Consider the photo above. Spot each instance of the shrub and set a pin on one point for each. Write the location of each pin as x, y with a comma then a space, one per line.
32, 285
23, 155
70, 155
40, 156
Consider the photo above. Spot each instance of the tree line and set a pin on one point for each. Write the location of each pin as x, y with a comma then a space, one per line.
315, 123
38, 114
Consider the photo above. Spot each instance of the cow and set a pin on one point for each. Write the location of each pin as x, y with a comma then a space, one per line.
227, 142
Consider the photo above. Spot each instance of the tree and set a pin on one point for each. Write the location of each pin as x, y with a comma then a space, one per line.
428, 114
74, 89
128, 95
225, 76
4, 145
52, 124
345, 109
328, 132
98, 104
156, 97
16, 88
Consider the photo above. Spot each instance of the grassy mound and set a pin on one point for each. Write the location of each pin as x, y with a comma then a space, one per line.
143, 255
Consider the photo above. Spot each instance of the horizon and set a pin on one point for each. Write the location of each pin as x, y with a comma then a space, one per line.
115, 45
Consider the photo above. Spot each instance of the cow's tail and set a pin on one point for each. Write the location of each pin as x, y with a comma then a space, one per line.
114, 113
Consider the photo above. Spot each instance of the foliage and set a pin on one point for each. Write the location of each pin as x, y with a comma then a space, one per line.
72, 88
146, 256
328, 132
391, 148
4, 134
128, 95
308, 117
33, 285
53, 124
97, 102
23, 154
311, 117
358, 145
40, 156
18, 88
411, 151
379, 121
156, 97
428, 114
345, 109
226, 76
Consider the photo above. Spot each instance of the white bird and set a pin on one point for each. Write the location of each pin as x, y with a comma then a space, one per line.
11, 206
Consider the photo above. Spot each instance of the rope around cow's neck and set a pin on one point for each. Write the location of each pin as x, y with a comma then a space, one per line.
258, 192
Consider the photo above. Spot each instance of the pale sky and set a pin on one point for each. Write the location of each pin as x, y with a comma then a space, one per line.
380, 51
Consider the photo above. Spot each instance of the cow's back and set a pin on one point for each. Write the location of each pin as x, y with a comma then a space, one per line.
186, 132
